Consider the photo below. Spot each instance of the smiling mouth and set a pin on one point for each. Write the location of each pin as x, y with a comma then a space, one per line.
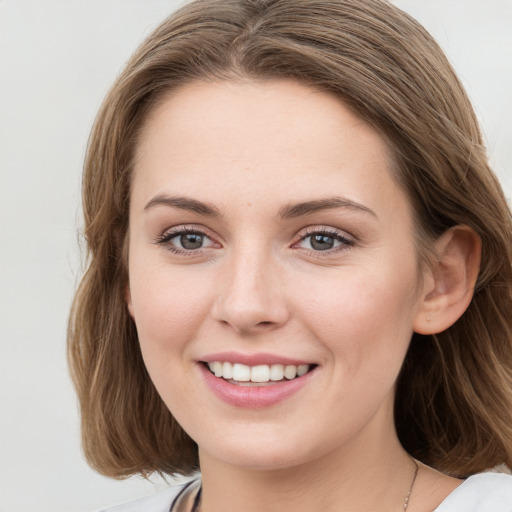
263, 374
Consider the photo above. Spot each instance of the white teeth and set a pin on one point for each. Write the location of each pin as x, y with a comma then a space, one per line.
277, 372
241, 373
290, 371
227, 370
217, 369
261, 373
302, 369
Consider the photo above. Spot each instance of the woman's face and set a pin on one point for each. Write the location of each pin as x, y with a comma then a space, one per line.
266, 232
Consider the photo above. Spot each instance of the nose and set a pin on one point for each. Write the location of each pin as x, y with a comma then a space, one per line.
251, 297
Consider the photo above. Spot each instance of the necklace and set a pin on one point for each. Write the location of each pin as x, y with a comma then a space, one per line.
406, 502
197, 500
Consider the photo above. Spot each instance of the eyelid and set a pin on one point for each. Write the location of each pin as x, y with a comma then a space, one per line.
322, 228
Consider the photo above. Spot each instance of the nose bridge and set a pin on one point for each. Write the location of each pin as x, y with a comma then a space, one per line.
250, 296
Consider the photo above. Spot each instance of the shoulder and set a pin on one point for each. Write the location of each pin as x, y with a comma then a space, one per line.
484, 492
159, 502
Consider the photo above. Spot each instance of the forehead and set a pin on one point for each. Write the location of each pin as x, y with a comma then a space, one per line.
256, 112
253, 137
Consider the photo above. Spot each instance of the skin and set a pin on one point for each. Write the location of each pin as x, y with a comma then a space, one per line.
250, 149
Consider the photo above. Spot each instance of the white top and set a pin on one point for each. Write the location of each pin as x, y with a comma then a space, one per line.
159, 502
484, 492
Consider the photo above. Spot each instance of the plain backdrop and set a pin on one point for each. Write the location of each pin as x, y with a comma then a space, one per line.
57, 60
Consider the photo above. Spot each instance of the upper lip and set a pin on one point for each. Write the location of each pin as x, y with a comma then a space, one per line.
252, 359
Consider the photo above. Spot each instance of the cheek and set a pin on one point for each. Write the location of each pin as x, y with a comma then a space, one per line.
365, 327
168, 310
367, 320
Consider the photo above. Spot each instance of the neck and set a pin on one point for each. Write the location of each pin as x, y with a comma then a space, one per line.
373, 474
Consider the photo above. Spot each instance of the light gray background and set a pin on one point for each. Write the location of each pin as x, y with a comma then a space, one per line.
57, 59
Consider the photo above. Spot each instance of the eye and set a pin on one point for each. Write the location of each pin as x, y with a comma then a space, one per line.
184, 240
324, 240
189, 241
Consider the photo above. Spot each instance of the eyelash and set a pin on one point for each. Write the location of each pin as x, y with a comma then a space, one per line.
345, 242
164, 240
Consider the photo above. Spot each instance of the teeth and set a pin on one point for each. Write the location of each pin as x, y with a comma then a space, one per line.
302, 369
217, 369
241, 373
227, 370
260, 373
277, 372
290, 371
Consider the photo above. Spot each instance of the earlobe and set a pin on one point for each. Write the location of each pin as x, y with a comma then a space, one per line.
449, 287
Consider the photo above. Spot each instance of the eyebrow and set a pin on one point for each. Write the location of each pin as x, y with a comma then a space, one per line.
185, 203
309, 207
288, 211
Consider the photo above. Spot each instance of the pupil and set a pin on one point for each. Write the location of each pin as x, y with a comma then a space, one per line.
191, 241
322, 242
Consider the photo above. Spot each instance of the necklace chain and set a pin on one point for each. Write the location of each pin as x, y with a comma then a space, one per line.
406, 502
197, 500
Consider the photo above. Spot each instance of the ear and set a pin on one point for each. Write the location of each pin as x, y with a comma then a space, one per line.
449, 286
128, 299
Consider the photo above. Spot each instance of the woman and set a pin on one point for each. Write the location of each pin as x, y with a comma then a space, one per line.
300, 268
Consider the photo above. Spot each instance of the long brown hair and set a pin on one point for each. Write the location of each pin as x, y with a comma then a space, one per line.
453, 406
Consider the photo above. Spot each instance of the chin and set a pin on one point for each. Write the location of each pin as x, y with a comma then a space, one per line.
253, 456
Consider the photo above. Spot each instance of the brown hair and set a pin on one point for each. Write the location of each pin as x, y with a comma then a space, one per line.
453, 406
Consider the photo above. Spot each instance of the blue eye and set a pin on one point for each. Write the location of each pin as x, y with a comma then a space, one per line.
189, 241
324, 241
184, 240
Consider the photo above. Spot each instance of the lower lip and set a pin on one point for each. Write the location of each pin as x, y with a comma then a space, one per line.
253, 396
